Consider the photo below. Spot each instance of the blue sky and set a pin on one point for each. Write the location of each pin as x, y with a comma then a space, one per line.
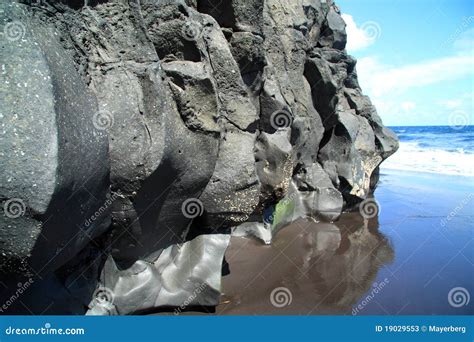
415, 58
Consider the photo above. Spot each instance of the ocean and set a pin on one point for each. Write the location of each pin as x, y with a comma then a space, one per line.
434, 149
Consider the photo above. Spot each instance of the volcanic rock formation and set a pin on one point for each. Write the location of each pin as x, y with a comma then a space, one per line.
137, 135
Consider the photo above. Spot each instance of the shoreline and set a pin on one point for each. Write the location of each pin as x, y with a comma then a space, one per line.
333, 268
424, 172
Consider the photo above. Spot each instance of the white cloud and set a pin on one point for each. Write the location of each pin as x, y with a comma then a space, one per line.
393, 88
379, 79
408, 106
450, 103
359, 37
460, 103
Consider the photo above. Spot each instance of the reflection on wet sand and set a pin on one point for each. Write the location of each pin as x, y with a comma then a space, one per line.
310, 268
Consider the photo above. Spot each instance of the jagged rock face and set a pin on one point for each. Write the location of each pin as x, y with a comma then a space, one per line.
55, 166
171, 123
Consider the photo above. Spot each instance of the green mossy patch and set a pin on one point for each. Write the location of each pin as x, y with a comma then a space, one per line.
283, 209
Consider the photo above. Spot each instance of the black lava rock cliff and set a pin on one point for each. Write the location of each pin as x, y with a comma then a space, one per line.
138, 135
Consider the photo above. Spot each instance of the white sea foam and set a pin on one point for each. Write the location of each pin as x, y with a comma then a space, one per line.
412, 157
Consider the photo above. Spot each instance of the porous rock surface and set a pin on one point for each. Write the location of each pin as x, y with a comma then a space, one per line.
137, 135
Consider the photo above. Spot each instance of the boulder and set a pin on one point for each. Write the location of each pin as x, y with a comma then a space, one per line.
55, 168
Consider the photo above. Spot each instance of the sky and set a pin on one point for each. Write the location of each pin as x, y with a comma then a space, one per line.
415, 58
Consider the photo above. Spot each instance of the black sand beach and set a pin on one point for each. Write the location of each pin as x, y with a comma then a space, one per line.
403, 262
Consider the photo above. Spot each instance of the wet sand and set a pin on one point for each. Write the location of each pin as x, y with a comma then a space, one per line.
405, 261
322, 268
